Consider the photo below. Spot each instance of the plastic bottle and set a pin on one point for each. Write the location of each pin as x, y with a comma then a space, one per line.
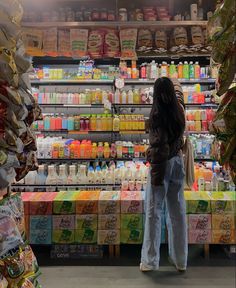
104, 96
81, 175
164, 69
52, 176
72, 177
99, 123
173, 72
70, 123
94, 150
136, 96
180, 70
186, 70
91, 175
116, 123
153, 70
191, 70
113, 150
130, 97
41, 177
197, 70
124, 97
100, 150
117, 96
46, 122
107, 150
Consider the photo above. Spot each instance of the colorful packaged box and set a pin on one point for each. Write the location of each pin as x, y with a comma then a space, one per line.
65, 202
198, 202
63, 222
131, 202
27, 226
41, 203
86, 236
199, 236
223, 202
41, 222
131, 221
224, 236
108, 237
40, 236
109, 222
26, 196
63, 236
109, 202
199, 221
223, 221
89, 221
87, 202
131, 236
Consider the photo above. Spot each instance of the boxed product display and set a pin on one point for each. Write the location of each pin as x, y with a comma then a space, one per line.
131, 221
63, 222
109, 222
199, 236
223, 202
223, 222
131, 236
199, 221
198, 202
87, 202
109, 202
131, 202
65, 202
223, 236
86, 236
108, 237
40, 222
89, 221
63, 236
41, 236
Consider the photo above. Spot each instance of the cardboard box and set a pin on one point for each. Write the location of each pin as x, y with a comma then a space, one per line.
41, 203
109, 202
86, 236
40, 237
65, 202
27, 226
223, 221
223, 237
199, 236
131, 202
199, 221
63, 222
87, 202
89, 221
108, 237
41, 222
131, 236
131, 221
109, 222
223, 202
65, 236
26, 196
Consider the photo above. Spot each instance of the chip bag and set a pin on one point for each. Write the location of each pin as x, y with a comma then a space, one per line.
128, 40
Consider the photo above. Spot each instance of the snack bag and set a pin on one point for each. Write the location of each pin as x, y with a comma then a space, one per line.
79, 42
6, 41
145, 38
33, 40
8, 69
180, 36
95, 43
111, 43
3, 282
64, 46
9, 24
50, 42
197, 35
161, 39
128, 40
13, 9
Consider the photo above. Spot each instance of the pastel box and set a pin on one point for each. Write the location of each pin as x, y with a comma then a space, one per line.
108, 237
131, 202
40, 222
223, 202
199, 221
64, 236
131, 236
223, 221
65, 202
63, 222
224, 236
109, 222
89, 221
41, 203
199, 236
40, 236
87, 202
131, 221
86, 236
109, 202
26, 196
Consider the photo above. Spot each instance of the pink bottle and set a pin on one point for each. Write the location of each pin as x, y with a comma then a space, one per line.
204, 125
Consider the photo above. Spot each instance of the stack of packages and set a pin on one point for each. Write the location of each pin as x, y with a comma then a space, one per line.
18, 110
132, 207
109, 218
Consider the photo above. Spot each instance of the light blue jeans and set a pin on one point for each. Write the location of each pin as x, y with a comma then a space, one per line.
172, 195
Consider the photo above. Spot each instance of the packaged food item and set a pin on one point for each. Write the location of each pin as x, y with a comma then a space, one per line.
180, 36
131, 202
132, 236
42, 236
50, 41
199, 236
131, 221
6, 41
89, 221
79, 42
33, 40
161, 39
41, 222
87, 202
41, 203
86, 236
223, 221
63, 222
145, 38
109, 202
64, 45
8, 69
222, 203
199, 221
65, 203
223, 236
63, 236
13, 9
197, 35
109, 222
108, 237
95, 43
128, 40
111, 43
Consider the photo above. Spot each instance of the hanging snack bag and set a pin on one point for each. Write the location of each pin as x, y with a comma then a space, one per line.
128, 40
180, 36
161, 39
78, 42
111, 43
8, 69
13, 8
197, 35
145, 39
6, 41
50, 42
95, 43
9, 24
33, 40
64, 47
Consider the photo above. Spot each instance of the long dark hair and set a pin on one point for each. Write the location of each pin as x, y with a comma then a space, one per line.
166, 114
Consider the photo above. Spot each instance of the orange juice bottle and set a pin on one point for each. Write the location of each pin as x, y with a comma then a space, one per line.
92, 123
82, 149
94, 151
104, 122
109, 122
107, 150
136, 96
88, 149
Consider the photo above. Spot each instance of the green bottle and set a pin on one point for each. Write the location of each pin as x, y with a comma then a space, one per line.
191, 70
186, 70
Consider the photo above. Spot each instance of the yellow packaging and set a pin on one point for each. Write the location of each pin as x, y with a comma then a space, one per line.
86, 236
89, 221
109, 222
65, 236
223, 237
223, 202
223, 221
108, 237
87, 202
109, 202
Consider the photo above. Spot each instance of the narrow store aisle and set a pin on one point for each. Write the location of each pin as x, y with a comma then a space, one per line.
130, 277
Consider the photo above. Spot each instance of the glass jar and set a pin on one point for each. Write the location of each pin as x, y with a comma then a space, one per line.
123, 15
139, 15
111, 15
103, 15
95, 15
79, 16
87, 15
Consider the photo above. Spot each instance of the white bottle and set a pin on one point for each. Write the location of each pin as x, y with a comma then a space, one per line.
130, 97
104, 96
81, 176
62, 177
30, 178
72, 178
91, 176
153, 70
41, 177
52, 176
117, 96
124, 97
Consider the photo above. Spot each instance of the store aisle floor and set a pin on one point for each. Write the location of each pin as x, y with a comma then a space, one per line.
130, 277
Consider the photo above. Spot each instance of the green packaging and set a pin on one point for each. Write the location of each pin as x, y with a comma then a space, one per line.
86, 236
65, 202
133, 236
65, 236
131, 221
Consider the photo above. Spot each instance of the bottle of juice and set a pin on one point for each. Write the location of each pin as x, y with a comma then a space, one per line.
164, 69
46, 122
92, 123
104, 122
119, 149
70, 123
104, 96
124, 97
107, 150
173, 72
191, 70
100, 150
116, 123
94, 151
117, 96
98, 123
130, 97
113, 150
197, 70
186, 70
153, 70
136, 96
109, 122
180, 70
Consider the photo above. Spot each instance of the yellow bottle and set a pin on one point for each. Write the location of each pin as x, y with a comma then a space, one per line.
116, 123
107, 150
104, 123
94, 151
136, 96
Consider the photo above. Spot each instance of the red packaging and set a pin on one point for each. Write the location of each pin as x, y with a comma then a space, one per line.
26, 196
41, 203
95, 43
111, 43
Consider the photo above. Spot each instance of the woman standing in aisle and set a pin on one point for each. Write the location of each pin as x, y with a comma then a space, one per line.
166, 178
